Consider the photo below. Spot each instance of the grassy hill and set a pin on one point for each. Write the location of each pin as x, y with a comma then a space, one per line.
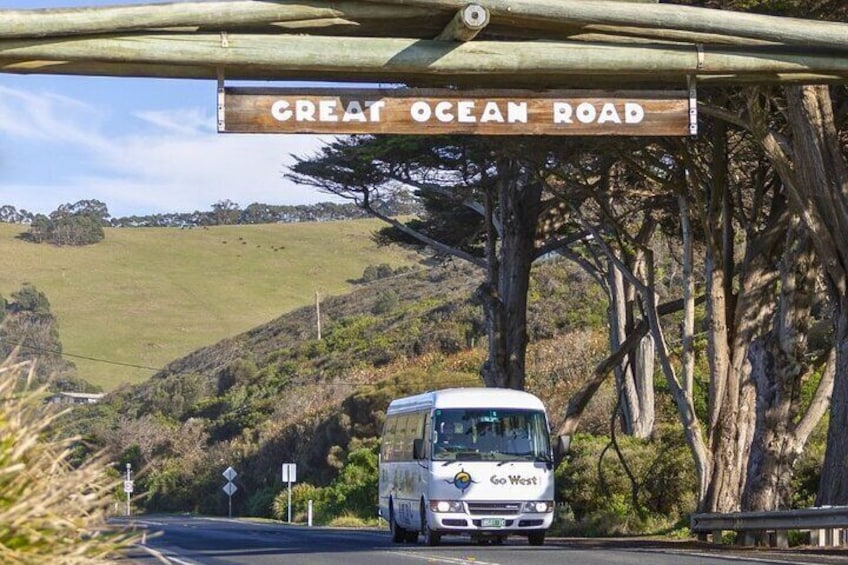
146, 296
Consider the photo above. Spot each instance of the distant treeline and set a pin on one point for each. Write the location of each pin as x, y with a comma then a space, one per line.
225, 212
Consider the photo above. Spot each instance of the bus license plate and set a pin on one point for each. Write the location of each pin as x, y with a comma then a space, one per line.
492, 523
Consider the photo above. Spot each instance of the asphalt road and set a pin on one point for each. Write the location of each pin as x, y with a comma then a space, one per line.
179, 540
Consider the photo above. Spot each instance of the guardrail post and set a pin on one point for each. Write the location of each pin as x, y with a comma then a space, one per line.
718, 537
779, 539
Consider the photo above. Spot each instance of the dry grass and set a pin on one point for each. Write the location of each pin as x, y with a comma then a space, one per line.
50, 511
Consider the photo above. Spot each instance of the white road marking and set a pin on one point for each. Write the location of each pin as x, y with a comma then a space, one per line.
744, 558
441, 559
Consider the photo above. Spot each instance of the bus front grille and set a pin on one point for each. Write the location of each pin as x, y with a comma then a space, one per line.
494, 508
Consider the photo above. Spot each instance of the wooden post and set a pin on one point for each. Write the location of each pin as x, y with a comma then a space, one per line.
318, 313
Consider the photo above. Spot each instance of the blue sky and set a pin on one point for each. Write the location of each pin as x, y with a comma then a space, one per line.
139, 145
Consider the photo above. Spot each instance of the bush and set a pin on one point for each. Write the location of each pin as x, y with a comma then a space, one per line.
354, 491
51, 512
260, 503
30, 299
600, 494
386, 302
302, 493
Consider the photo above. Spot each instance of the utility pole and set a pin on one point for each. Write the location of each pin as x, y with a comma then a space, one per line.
318, 312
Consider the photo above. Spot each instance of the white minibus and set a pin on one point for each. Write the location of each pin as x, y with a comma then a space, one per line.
472, 461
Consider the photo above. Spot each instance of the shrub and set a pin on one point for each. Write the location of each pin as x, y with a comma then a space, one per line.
30, 299
260, 502
354, 491
51, 512
302, 493
600, 494
386, 302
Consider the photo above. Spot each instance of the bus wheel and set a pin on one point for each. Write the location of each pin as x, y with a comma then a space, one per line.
429, 537
536, 538
398, 533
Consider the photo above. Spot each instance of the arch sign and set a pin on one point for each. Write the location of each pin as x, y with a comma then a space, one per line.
446, 111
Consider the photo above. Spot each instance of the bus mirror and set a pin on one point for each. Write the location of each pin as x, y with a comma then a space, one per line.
564, 444
418, 448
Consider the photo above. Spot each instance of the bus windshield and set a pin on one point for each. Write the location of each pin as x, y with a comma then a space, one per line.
490, 434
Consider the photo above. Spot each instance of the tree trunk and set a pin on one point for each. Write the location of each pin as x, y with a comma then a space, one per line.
725, 389
833, 488
821, 196
774, 449
505, 293
778, 361
634, 375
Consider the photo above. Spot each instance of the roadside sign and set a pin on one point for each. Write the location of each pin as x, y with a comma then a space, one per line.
230, 488
290, 476
128, 487
230, 474
289, 472
448, 111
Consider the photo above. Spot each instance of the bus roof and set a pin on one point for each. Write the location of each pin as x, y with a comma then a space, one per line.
467, 398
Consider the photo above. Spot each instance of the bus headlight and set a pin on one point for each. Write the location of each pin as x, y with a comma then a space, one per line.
538, 506
446, 506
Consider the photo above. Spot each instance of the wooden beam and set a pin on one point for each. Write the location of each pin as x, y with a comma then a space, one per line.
466, 24
421, 78
392, 57
220, 15
791, 31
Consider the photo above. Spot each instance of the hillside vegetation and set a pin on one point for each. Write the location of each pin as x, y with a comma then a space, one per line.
146, 296
277, 394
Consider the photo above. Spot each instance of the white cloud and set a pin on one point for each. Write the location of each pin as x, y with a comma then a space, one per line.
158, 161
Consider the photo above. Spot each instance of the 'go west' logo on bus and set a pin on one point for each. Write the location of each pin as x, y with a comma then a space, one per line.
514, 480
462, 480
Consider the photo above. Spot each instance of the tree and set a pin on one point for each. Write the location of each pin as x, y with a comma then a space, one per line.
815, 173
482, 200
80, 223
225, 213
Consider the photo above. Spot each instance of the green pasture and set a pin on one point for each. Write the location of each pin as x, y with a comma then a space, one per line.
146, 296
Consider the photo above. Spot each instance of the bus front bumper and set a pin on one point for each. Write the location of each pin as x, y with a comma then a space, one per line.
489, 523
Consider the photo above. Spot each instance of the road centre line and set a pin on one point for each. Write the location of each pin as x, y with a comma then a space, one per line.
440, 559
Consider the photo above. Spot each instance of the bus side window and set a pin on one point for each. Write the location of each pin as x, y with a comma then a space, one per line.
389, 438
401, 439
426, 435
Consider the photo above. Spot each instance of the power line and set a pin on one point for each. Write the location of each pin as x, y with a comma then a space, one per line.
84, 357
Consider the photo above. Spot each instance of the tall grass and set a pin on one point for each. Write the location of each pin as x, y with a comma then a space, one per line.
50, 511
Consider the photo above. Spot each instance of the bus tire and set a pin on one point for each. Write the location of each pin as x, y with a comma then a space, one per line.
536, 538
428, 536
398, 533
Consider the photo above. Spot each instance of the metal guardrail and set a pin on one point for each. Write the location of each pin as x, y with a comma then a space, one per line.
827, 525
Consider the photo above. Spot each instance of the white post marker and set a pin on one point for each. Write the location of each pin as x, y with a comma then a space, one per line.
289, 476
128, 486
229, 488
